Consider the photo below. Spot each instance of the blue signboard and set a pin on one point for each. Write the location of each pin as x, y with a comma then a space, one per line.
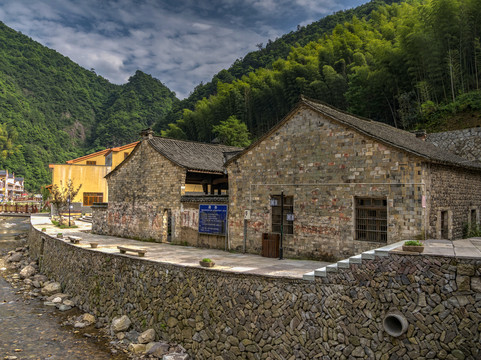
212, 219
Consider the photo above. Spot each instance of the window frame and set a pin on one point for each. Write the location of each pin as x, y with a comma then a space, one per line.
92, 197
371, 219
276, 214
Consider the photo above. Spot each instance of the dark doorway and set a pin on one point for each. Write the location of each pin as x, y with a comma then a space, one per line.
444, 225
167, 225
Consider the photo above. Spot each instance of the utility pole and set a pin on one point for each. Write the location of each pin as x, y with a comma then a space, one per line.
68, 200
281, 249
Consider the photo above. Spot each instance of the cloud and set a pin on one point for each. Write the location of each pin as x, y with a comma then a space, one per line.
181, 43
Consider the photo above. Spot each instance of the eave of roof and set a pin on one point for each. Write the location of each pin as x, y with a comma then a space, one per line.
125, 147
89, 156
187, 153
203, 146
122, 148
368, 128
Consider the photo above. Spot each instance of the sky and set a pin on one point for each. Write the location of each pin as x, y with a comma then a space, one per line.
181, 43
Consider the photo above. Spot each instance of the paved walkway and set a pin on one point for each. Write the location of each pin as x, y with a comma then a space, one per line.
186, 255
465, 248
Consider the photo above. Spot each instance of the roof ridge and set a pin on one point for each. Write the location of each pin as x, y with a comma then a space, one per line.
382, 132
196, 142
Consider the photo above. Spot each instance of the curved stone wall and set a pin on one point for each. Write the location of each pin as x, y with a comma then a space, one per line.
222, 315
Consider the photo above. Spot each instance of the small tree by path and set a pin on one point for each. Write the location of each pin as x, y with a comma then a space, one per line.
45, 196
60, 196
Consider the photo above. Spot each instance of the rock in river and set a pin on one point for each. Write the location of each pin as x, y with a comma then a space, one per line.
27, 271
121, 324
147, 336
51, 288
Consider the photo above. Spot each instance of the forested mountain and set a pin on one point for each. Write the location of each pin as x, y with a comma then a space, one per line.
268, 54
52, 110
405, 64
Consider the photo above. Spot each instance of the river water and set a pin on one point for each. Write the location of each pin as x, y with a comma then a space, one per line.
30, 330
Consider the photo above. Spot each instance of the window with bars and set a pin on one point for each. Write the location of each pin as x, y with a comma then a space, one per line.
371, 219
91, 162
288, 214
90, 198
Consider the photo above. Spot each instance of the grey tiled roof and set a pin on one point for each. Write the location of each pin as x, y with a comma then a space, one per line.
381, 132
205, 198
389, 135
192, 155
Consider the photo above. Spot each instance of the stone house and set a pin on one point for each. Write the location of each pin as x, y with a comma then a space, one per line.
337, 185
156, 192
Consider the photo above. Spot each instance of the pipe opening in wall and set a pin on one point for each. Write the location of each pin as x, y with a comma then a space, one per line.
395, 324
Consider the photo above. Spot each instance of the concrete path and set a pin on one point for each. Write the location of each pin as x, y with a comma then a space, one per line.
466, 248
185, 255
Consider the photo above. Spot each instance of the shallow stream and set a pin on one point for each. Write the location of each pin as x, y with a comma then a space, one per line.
30, 330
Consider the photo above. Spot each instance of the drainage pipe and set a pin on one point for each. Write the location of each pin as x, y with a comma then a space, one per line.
395, 323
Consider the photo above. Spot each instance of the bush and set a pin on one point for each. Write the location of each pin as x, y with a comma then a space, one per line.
206, 260
471, 230
413, 243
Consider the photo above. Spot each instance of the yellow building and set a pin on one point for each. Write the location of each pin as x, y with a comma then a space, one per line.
90, 171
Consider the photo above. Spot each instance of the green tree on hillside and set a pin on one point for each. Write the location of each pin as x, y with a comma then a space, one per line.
232, 132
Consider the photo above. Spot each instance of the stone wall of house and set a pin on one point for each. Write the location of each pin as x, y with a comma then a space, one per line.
189, 227
324, 166
99, 218
240, 316
457, 191
143, 193
465, 143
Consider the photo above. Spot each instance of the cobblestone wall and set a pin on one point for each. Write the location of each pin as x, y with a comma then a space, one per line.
465, 143
456, 191
234, 316
190, 228
99, 218
143, 193
342, 164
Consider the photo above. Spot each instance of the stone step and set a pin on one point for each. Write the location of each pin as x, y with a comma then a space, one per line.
331, 268
309, 276
344, 264
368, 255
356, 259
321, 272
384, 251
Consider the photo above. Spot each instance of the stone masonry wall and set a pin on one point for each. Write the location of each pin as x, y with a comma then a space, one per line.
465, 143
140, 194
457, 191
190, 228
99, 218
216, 314
341, 164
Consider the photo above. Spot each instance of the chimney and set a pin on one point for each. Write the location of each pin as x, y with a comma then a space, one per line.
421, 134
147, 134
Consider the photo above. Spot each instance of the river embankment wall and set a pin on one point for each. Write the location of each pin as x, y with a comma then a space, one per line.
221, 315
